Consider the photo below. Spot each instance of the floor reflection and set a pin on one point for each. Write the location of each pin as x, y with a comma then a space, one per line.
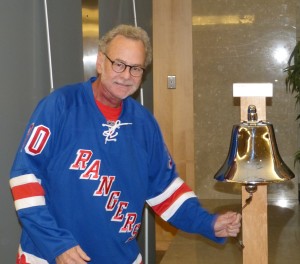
283, 238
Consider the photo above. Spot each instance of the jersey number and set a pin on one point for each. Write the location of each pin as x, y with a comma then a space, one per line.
37, 140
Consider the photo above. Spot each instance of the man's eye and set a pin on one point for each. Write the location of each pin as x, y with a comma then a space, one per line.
119, 64
136, 69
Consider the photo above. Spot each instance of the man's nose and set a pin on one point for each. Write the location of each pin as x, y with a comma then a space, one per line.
126, 73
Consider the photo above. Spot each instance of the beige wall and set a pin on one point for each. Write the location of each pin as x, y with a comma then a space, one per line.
173, 108
197, 117
226, 53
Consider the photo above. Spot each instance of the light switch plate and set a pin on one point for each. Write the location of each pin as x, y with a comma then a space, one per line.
171, 82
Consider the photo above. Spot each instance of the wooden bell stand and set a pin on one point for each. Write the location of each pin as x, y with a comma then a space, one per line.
255, 214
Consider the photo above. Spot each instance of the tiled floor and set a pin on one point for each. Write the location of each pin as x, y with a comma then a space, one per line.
283, 239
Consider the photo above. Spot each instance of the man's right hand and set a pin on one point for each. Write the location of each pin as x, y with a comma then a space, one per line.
74, 255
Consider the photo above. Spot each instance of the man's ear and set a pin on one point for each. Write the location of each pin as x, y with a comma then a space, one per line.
100, 62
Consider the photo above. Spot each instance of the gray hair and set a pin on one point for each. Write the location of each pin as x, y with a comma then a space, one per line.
128, 31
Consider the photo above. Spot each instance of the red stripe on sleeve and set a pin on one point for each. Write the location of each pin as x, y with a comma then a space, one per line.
162, 207
27, 190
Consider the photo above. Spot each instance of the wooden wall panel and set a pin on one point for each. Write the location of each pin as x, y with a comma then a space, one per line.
173, 108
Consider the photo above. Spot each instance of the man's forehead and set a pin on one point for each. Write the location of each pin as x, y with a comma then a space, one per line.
126, 49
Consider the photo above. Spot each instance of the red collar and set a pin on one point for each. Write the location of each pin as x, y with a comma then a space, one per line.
110, 113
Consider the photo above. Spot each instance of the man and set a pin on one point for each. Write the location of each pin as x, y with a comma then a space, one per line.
91, 157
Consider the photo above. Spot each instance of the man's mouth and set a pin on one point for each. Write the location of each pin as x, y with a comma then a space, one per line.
123, 84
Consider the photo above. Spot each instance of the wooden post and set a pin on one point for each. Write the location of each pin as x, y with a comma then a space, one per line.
255, 219
254, 215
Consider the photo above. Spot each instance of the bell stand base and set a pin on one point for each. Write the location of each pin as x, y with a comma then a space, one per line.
254, 215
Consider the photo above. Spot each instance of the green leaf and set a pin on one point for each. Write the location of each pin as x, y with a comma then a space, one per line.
292, 82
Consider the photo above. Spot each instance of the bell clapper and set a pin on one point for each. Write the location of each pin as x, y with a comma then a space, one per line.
248, 200
250, 188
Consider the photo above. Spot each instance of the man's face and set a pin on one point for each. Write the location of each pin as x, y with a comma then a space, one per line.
127, 51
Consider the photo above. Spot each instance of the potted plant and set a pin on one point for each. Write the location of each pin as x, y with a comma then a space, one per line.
292, 81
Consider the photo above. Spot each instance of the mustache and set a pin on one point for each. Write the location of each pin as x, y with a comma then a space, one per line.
124, 83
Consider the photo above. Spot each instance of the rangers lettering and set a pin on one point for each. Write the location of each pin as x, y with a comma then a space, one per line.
130, 219
112, 200
91, 168
92, 172
118, 216
134, 232
104, 185
83, 157
38, 140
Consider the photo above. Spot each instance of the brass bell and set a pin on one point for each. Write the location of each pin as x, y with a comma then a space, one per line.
253, 156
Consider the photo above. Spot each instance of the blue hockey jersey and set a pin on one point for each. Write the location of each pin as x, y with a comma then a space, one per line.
78, 179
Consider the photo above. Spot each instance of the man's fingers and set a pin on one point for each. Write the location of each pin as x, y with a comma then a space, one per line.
234, 228
238, 218
82, 254
73, 255
228, 224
